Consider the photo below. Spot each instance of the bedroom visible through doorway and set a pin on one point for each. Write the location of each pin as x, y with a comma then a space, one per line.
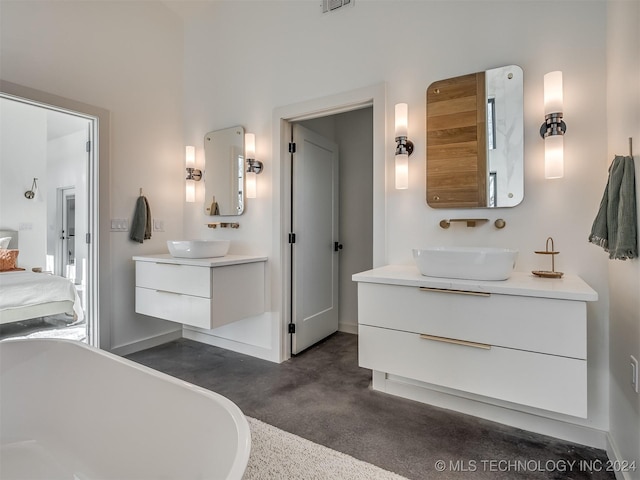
49, 151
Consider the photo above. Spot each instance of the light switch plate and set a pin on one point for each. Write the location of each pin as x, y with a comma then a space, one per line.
119, 225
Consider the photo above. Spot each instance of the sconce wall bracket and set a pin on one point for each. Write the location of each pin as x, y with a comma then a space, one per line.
254, 166
404, 146
194, 174
553, 125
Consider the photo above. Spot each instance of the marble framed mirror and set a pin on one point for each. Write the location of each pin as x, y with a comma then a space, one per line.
224, 172
475, 140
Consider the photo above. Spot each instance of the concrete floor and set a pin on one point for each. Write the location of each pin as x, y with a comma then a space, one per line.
322, 395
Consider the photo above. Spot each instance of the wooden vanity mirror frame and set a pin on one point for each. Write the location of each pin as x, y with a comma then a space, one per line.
459, 159
456, 130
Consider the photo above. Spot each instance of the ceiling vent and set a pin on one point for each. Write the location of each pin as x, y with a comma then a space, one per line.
332, 5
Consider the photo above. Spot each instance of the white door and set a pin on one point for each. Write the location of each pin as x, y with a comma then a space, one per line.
314, 253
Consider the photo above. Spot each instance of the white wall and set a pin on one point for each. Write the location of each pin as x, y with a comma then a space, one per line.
623, 121
67, 167
288, 53
23, 156
354, 136
125, 57
27, 152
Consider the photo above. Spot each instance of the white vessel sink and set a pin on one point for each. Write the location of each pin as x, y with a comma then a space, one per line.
468, 263
198, 248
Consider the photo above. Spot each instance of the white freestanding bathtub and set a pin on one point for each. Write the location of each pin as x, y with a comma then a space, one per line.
70, 411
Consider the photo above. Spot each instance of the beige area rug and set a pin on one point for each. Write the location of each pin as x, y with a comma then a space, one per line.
276, 454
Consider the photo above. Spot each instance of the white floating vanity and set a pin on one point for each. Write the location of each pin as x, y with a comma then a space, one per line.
521, 340
202, 292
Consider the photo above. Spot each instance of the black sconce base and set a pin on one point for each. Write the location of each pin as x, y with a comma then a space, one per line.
553, 125
404, 146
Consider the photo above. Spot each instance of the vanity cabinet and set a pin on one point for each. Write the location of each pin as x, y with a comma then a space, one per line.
205, 293
523, 340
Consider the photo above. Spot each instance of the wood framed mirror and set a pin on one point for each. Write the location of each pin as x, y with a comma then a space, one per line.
475, 140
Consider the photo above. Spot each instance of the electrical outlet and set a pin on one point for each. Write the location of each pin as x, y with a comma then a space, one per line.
634, 373
158, 225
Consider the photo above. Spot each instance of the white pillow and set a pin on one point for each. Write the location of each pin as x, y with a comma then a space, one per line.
4, 242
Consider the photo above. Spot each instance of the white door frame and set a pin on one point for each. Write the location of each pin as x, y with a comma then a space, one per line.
98, 295
62, 194
374, 96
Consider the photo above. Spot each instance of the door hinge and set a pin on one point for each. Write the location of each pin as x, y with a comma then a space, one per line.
88, 146
292, 147
87, 238
292, 328
292, 238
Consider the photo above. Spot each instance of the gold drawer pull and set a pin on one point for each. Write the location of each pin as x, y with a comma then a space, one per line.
460, 292
464, 343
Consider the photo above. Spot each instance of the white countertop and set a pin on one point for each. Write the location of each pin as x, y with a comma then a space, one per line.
200, 262
569, 287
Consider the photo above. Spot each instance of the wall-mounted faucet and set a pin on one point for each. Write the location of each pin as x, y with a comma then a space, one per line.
224, 225
472, 222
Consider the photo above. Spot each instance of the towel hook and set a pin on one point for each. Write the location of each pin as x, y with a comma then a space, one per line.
631, 146
140, 191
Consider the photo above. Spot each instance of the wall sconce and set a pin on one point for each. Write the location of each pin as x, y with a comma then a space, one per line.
30, 194
254, 167
404, 147
553, 128
192, 173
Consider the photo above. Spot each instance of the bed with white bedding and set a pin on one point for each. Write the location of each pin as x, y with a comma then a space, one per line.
25, 295
30, 295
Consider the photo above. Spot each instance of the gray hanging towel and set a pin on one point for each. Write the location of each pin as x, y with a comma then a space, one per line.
615, 227
141, 223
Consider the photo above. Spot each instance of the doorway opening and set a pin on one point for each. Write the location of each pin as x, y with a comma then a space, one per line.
315, 252
361, 205
54, 231
65, 258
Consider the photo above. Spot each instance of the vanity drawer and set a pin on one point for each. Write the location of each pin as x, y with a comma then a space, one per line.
169, 277
186, 309
202, 297
543, 325
558, 384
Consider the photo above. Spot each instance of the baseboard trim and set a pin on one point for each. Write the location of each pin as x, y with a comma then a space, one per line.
244, 348
614, 456
150, 342
537, 423
348, 328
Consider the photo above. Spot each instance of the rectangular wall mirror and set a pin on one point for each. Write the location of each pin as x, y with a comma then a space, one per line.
475, 140
224, 172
